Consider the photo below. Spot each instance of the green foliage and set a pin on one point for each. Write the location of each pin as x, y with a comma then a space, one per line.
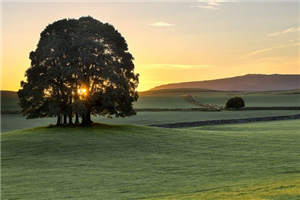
235, 103
74, 54
245, 161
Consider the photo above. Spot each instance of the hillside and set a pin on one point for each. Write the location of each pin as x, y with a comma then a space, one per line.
250, 82
9, 101
176, 98
137, 162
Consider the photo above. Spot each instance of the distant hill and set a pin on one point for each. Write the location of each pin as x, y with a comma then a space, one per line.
249, 82
8, 94
174, 91
9, 101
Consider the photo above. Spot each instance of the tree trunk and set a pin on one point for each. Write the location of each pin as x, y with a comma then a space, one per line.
86, 119
76, 119
65, 119
70, 111
70, 119
58, 122
82, 119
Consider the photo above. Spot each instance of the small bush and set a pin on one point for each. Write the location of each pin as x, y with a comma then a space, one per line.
235, 103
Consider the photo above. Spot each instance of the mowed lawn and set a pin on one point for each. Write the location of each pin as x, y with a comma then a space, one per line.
245, 161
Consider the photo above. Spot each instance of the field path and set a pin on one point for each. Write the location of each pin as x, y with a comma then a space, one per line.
225, 121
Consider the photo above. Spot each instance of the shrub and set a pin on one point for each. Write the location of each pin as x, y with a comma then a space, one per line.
235, 103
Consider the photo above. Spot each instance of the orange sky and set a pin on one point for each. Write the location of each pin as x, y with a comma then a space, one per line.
171, 42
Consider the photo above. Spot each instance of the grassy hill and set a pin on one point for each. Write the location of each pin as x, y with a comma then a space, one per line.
9, 101
170, 99
13, 122
249, 82
246, 161
175, 98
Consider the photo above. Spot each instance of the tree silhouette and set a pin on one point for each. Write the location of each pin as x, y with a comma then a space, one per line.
80, 67
235, 103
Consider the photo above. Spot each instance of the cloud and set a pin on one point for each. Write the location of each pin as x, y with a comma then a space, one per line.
213, 3
161, 24
260, 51
206, 7
289, 30
208, 4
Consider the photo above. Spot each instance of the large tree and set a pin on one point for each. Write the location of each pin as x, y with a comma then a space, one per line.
80, 67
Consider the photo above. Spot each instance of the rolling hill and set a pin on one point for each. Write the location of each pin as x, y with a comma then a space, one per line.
249, 82
245, 161
9, 101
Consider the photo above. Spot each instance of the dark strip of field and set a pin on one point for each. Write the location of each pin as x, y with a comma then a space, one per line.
273, 108
173, 109
225, 121
186, 109
5, 112
207, 109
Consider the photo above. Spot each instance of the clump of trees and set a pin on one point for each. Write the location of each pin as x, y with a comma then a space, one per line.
235, 103
81, 67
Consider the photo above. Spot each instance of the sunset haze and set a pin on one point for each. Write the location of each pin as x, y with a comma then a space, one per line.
173, 41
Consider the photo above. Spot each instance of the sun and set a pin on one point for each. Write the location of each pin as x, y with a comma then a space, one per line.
82, 91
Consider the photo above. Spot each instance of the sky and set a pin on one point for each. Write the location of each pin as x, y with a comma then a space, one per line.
171, 41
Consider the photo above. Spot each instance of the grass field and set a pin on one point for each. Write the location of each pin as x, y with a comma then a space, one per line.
219, 98
16, 121
175, 98
170, 99
245, 161
254, 99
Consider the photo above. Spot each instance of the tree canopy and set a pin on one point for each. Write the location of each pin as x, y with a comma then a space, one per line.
80, 67
235, 103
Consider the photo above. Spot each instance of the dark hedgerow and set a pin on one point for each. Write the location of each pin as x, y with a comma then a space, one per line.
235, 103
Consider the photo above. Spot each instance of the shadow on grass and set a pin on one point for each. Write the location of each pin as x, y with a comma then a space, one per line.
101, 126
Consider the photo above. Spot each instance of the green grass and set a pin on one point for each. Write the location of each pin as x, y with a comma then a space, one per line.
164, 101
9, 100
175, 98
17, 121
245, 161
263, 99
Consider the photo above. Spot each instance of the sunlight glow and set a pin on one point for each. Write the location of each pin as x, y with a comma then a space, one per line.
202, 33
82, 92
